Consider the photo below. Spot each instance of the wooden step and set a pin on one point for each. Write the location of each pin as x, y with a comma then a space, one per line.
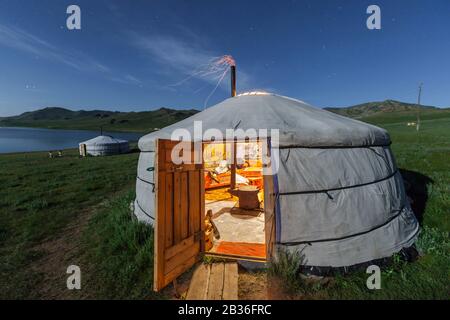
217, 281
230, 282
199, 283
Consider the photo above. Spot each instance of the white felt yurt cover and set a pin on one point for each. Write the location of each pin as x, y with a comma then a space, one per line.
340, 197
105, 145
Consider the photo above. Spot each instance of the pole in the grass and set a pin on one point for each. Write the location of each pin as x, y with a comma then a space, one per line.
418, 107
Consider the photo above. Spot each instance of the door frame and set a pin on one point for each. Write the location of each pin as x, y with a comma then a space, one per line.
270, 204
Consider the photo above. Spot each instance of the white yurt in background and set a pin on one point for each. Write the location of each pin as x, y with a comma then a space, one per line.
104, 146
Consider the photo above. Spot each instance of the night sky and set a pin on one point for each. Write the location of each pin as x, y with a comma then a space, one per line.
132, 55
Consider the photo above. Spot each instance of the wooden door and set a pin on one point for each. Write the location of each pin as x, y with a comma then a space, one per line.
180, 211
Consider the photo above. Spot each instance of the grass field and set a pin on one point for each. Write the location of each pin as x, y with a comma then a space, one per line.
62, 211
44, 205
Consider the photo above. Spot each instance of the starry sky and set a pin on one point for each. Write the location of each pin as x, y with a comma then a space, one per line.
142, 55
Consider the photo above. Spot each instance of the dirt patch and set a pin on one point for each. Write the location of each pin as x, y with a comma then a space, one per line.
260, 286
57, 254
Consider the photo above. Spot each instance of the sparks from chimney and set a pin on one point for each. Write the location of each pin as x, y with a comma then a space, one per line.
222, 64
215, 69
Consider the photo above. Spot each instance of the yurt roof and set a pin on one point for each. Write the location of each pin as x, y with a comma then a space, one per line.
299, 123
102, 140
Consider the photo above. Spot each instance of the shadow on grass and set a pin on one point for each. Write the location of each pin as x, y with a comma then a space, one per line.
134, 150
416, 186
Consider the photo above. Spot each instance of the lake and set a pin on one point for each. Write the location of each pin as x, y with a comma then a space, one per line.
13, 139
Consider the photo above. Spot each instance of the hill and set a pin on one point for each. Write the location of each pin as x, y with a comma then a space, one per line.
371, 108
61, 118
390, 111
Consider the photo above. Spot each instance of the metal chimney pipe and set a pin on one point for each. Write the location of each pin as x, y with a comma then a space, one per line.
233, 80
233, 164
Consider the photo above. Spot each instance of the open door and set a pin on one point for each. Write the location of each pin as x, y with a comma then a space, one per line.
180, 213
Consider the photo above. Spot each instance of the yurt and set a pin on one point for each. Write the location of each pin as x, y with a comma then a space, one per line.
337, 197
103, 146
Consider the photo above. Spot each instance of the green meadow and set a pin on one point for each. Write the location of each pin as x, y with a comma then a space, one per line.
46, 206
70, 210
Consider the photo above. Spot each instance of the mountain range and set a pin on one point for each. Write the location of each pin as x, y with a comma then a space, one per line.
372, 108
146, 121
61, 118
